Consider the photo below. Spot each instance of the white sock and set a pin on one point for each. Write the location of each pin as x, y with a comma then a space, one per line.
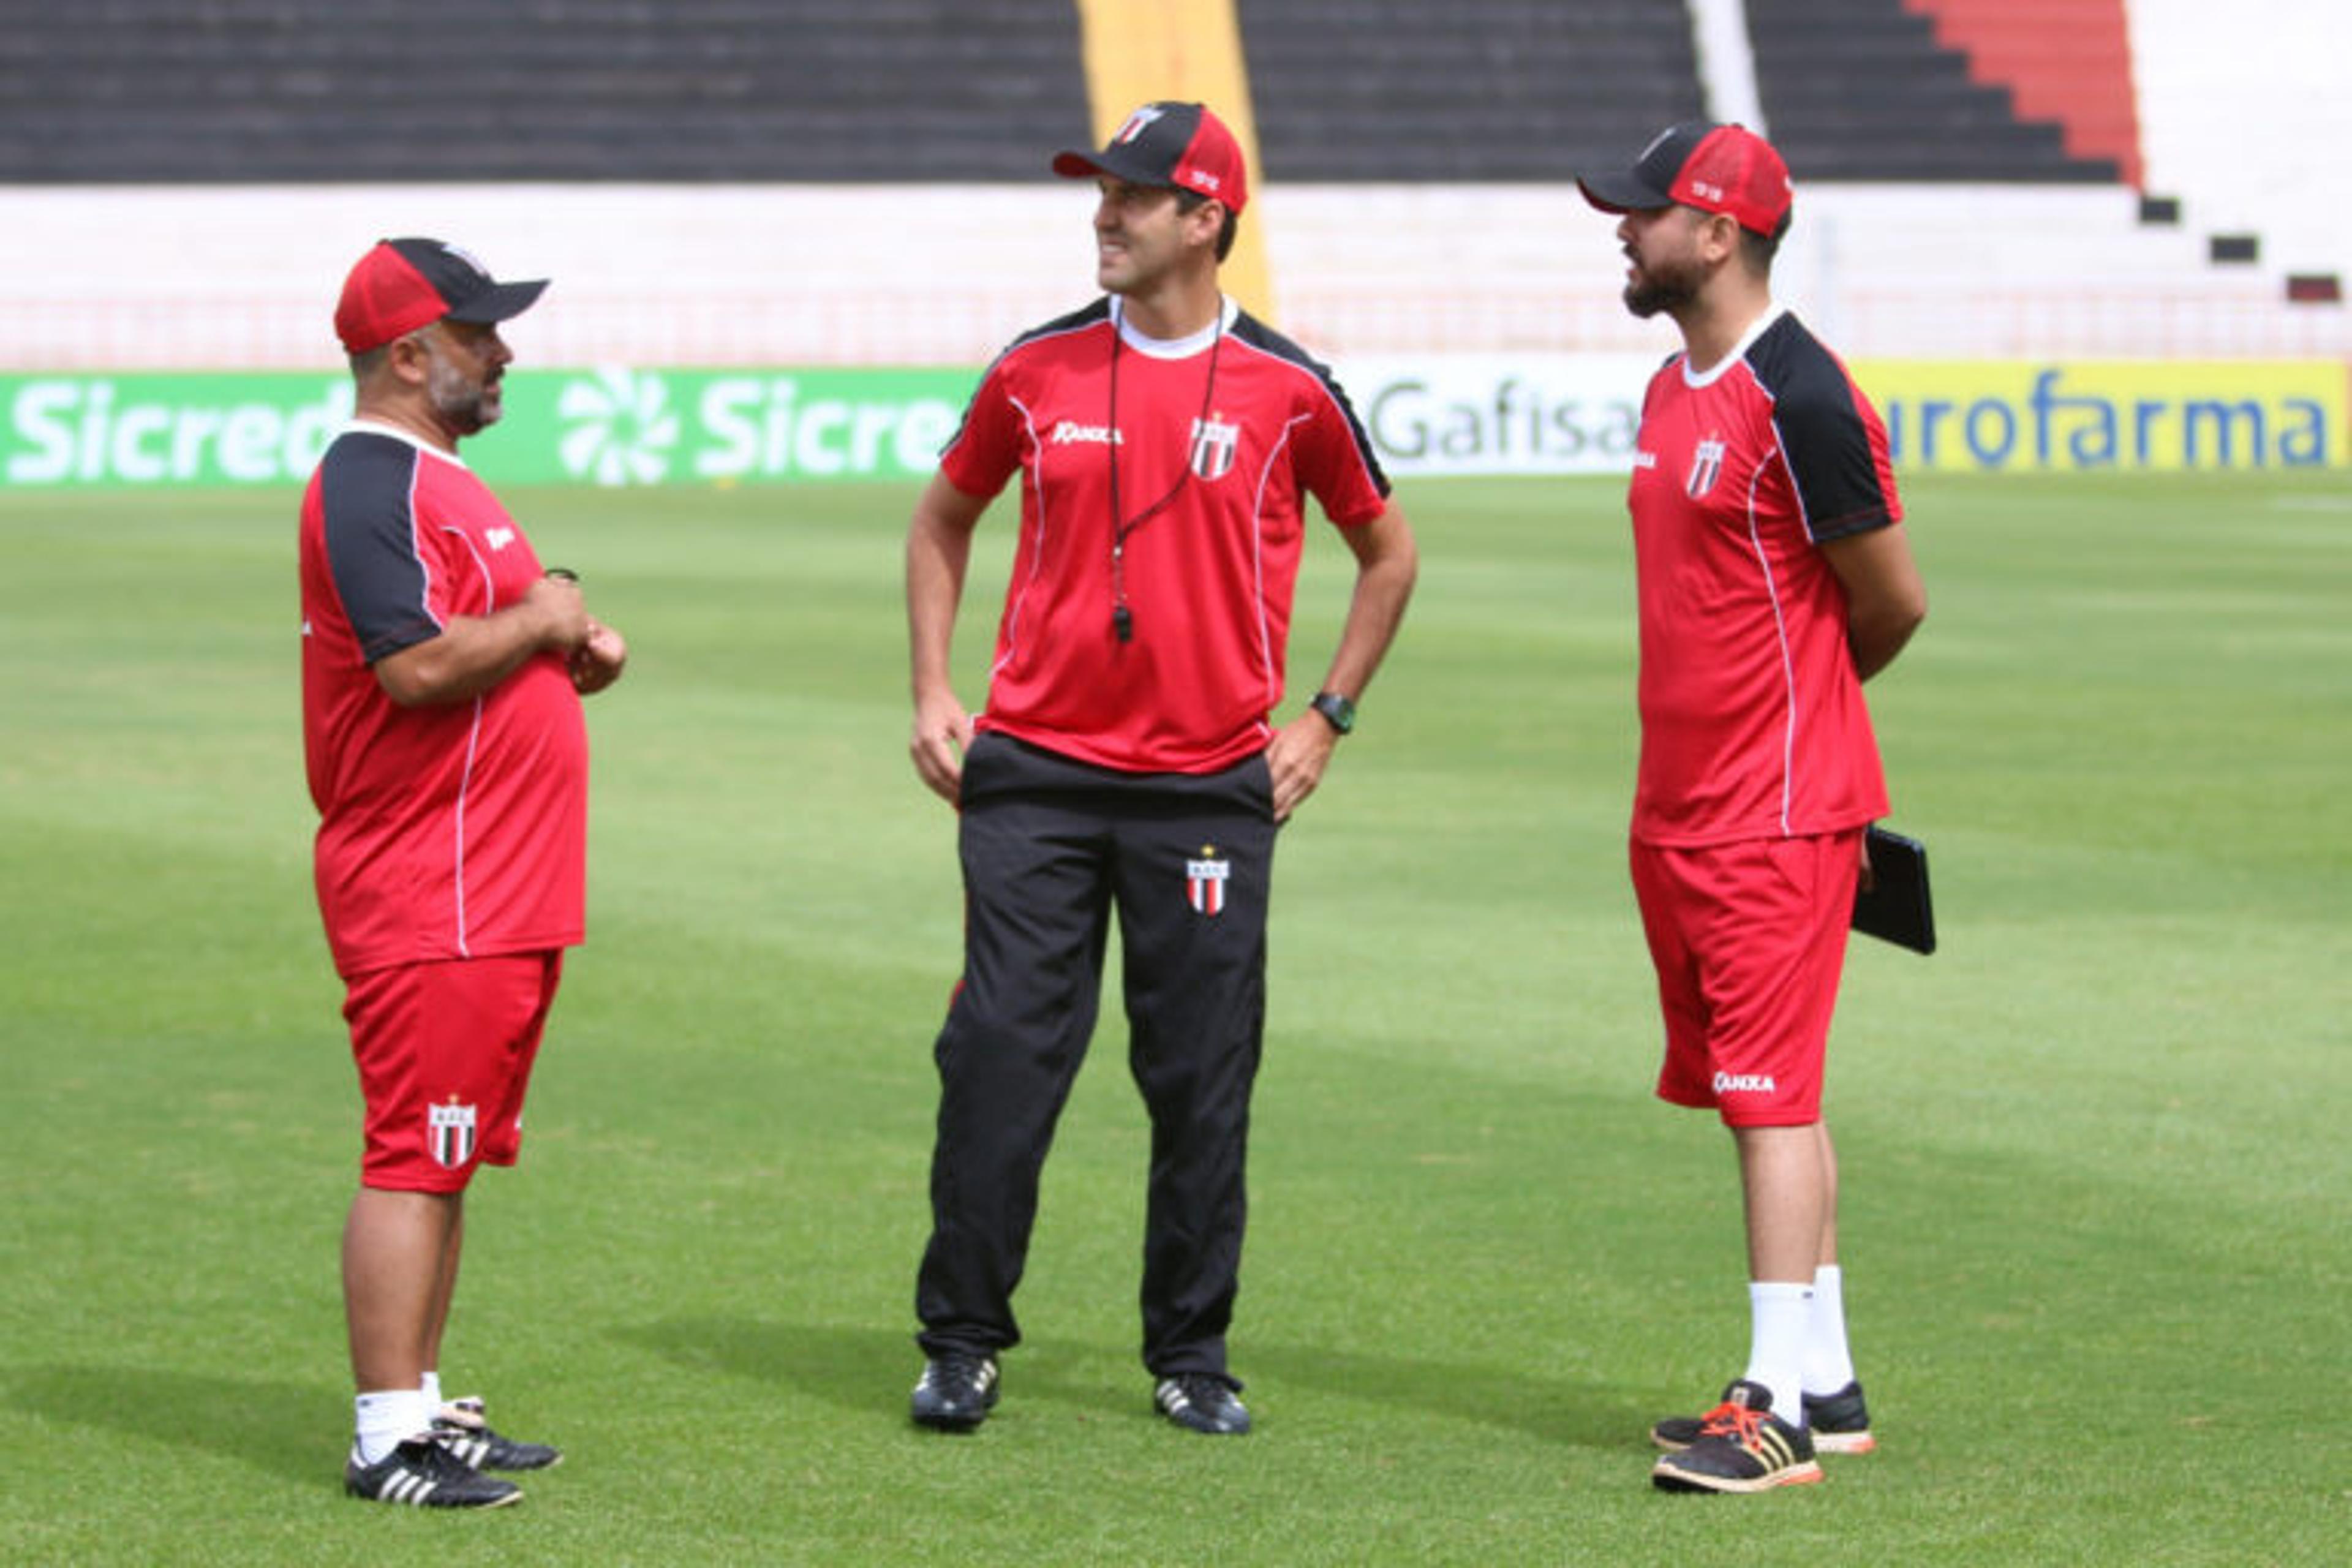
431, 1384
1776, 1351
387, 1418
1829, 1365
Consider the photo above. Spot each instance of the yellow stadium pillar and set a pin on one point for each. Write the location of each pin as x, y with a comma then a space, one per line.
1138, 51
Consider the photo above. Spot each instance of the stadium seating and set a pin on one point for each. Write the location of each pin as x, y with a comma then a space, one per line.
269, 91
907, 91
2066, 61
745, 181
1861, 89
1490, 91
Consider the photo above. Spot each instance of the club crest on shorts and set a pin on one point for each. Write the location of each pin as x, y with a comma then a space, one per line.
1213, 445
1204, 881
1706, 467
452, 1134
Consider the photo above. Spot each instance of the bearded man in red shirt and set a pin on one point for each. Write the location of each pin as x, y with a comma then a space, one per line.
1775, 578
441, 673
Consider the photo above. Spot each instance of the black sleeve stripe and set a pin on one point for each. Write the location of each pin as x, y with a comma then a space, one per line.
1248, 329
1077, 321
1817, 413
367, 494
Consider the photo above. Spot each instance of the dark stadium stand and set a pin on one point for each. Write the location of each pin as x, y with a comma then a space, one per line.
222, 92
1471, 90
274, 91
1860, 90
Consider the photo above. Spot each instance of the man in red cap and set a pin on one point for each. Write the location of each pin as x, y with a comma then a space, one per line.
1775, 578
441, 673
1127, 757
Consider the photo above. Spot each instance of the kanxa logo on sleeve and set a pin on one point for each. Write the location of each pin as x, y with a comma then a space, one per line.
452, 1133
1204, 881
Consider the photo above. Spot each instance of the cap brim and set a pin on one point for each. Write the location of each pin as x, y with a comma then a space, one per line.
1622, 192
500, 302
1072, 164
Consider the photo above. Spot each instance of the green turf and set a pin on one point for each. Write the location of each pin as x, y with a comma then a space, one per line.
2098, 1206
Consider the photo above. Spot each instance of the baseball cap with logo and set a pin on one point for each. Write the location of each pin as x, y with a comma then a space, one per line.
1178, 145
404, 284
1726, 169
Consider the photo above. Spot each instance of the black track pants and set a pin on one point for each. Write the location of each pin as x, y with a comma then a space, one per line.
1050, 847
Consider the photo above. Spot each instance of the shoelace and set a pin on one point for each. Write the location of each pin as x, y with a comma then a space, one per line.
1735, 1421
972, 1370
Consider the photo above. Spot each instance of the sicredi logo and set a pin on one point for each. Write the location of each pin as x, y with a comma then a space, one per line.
102, 429
640, 427
776, 426
619, 428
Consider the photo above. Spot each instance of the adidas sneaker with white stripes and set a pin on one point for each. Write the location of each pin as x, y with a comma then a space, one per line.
422, 1473
462, 1426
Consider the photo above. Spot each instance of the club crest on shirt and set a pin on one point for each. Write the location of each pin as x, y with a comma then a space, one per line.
1706, 467
1204, 881
1213, 445
451, 1133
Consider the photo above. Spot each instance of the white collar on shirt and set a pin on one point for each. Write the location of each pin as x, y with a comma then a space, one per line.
1172, 348
1739, 350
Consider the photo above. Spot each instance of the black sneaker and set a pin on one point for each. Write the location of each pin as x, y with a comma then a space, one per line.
1203, 1404
1741, 1447
957, 1392
1839, 1424
460, 1426
423, 1474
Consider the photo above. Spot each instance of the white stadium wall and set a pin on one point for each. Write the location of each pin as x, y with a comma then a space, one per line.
245, 277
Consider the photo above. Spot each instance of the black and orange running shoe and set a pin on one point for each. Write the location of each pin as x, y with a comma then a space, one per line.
1839, 1424
1741, 1447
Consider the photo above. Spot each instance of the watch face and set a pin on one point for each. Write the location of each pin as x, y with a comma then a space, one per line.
1337, 708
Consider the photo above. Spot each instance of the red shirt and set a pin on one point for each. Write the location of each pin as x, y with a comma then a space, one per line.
1217, 440
453, 831
1753, 724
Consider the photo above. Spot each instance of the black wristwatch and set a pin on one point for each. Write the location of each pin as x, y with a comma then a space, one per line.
1337, 710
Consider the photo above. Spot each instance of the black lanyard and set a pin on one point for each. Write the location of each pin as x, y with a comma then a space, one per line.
1122, 619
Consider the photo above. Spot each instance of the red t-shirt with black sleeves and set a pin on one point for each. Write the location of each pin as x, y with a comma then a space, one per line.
453, 831
1753, 724
1219, 439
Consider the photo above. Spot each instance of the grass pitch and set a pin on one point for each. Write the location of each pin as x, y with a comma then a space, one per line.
2098, 1206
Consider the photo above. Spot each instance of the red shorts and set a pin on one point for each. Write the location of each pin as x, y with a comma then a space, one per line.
1750, 941
445, 1053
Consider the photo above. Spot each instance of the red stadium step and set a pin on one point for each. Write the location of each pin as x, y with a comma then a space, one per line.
2064, 61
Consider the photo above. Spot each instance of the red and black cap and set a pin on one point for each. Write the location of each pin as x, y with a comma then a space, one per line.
1726, 169
1181, 146
404, 284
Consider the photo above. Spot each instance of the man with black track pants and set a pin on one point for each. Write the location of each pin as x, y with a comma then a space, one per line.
1127, 758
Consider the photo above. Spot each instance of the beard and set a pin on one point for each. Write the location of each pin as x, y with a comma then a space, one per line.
465, 405
1667, 287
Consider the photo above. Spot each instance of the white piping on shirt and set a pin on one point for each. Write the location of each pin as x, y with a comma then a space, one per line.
473, 740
